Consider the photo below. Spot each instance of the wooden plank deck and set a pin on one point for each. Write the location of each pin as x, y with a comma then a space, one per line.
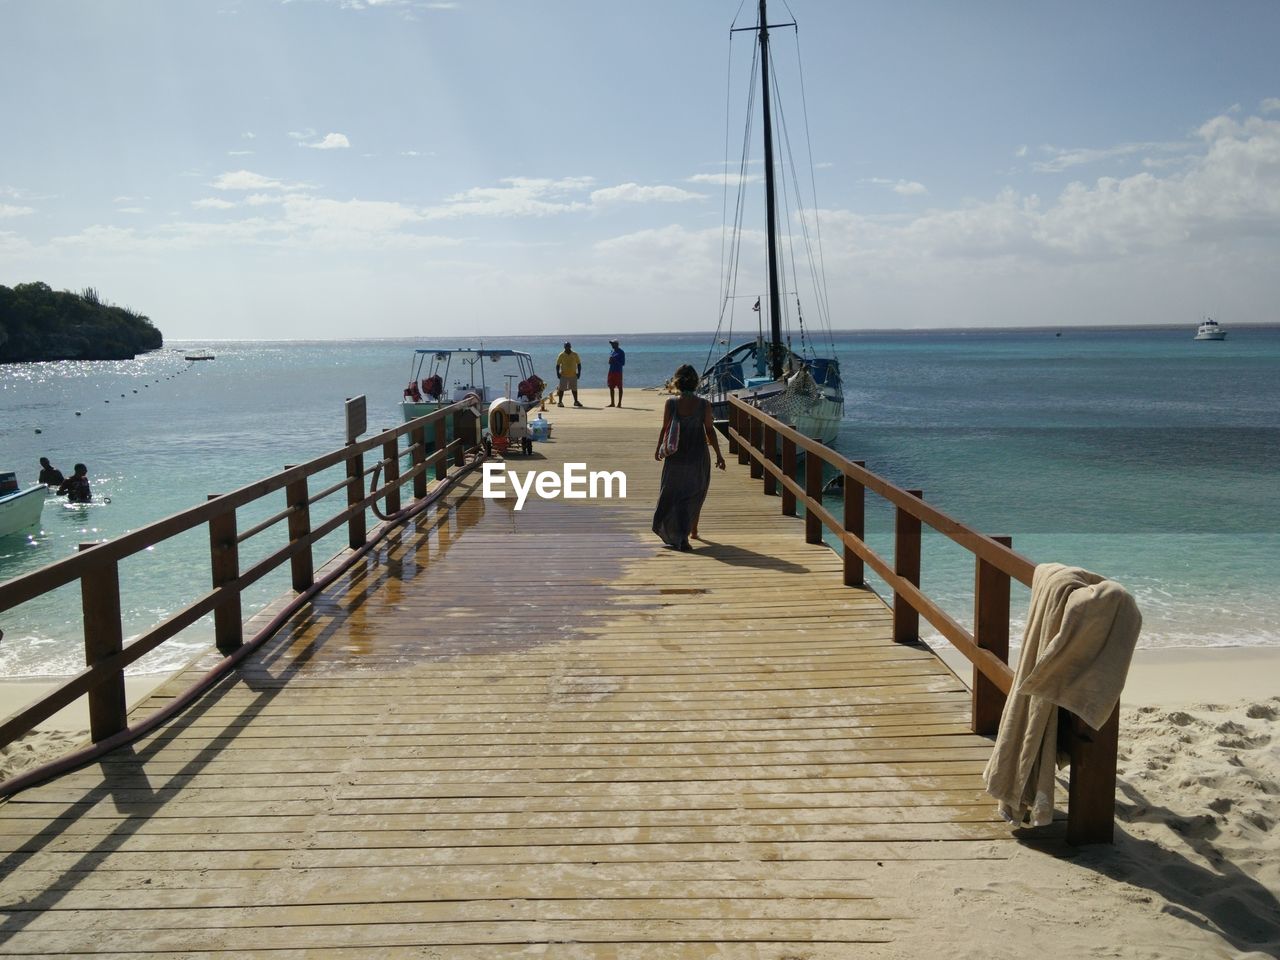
534, 733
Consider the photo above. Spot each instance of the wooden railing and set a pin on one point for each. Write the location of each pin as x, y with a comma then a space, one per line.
96, 567
755, 438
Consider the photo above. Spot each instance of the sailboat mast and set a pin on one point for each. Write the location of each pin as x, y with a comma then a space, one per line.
775, 296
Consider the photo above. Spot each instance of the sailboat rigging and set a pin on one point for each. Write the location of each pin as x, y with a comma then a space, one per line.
802, 389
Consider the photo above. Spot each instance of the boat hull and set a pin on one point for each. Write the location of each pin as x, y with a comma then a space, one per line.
1211, 335
821, 421
21, 511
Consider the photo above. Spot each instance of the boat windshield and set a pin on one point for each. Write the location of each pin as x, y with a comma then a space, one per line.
491, 373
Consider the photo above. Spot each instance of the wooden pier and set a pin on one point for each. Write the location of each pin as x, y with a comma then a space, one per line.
533, 733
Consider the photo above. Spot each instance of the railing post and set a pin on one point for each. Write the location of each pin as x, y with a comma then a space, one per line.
441, 441
812, 490
462, 431
103, 637
1091, 797
757, 441
418, 441
224, 557
733, 425
356, 531
744, 427
391, 474
301, 563
990, 632
770, 441
906, 564
855, 510
788, 471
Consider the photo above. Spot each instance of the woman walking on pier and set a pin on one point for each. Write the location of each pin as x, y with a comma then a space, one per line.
687, 429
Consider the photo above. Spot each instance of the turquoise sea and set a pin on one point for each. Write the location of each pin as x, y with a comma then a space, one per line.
1135, 452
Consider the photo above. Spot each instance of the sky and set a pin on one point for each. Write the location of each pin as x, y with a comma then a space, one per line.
403, 168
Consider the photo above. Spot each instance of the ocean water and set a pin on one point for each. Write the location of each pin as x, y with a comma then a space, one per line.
1137, 453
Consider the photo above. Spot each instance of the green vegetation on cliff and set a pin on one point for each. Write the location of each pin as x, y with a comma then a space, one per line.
37, 323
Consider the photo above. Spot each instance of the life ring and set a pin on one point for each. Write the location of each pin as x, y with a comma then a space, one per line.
499, 422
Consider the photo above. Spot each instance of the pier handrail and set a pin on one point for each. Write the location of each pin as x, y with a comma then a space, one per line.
96, 566
756, 437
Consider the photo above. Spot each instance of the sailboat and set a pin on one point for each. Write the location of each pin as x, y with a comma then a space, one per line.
801, 387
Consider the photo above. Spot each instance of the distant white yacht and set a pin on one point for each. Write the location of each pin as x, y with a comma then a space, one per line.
1209, 330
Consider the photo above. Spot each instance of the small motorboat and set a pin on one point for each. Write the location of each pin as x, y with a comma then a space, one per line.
1209, 329
439, 377
19, 509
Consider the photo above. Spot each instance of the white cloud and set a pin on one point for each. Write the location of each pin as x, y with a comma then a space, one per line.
518, 197
239, 153
1228, 194
9, 210
248, 135
722, 179
330, 141
212, 203
306, 134
246, 180
1060, 159
671, 257
634, 193
349, 216
906, 188
1271, 105
1021, 151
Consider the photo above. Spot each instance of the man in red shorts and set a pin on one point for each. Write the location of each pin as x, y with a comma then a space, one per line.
617, 360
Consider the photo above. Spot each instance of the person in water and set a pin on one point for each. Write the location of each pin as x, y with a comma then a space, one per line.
686, 472
50, 475
76, 486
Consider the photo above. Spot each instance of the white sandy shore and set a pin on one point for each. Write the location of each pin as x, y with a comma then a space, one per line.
1182, 675
1194, 872
65, 731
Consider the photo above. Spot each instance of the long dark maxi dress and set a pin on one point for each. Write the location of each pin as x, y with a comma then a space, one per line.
686, 474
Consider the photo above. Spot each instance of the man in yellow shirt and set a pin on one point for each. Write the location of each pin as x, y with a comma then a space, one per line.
568, 369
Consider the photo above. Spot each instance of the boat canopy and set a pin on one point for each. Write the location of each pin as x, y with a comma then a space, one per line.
471, 352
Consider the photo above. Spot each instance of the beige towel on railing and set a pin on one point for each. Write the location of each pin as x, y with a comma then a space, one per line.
1081, 631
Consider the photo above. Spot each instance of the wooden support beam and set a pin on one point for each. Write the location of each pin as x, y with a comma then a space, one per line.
463, 423
770, 441
990, 632
855, 510
103, 637
789, 470
418, 443
224, 565
391, 475
357, 532
906, 564
1091, 797
757, 441
302, 563
813, 491
441, 441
